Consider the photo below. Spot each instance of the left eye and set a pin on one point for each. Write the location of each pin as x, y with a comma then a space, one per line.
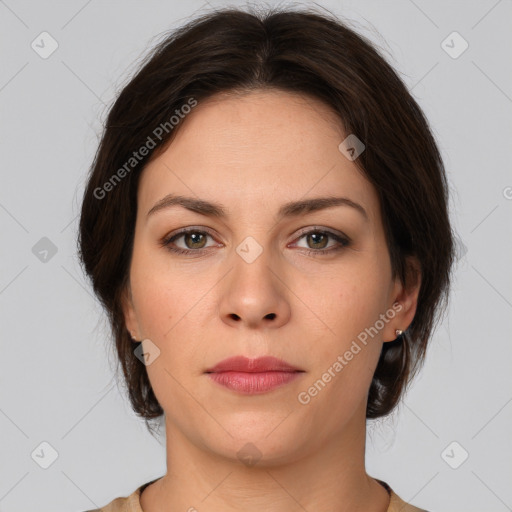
319, 239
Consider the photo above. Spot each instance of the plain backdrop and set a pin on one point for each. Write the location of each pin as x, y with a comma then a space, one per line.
447, 448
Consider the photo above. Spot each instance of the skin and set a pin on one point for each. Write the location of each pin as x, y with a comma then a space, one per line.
252, 153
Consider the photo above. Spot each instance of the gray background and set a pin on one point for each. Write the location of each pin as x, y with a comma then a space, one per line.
57, 383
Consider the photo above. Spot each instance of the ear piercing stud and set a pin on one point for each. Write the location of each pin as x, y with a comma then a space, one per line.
399, 332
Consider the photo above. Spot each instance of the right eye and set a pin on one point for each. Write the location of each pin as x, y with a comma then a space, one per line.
193, 238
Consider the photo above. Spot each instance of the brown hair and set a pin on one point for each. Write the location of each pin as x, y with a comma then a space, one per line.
230, 51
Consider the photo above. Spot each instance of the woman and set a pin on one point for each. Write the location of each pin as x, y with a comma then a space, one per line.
266, 225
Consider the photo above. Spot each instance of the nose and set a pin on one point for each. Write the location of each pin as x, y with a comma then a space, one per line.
254, 295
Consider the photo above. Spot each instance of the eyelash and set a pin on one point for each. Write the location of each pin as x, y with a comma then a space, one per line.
343, 241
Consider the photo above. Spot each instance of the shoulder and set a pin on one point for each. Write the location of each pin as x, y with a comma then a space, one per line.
396, 504
130, 503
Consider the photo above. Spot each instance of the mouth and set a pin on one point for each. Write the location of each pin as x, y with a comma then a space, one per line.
258, 365
253, 376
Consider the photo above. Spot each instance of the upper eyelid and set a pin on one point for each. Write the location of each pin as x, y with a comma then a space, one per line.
184, 231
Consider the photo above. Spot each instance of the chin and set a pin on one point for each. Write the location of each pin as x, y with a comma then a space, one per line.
260, 441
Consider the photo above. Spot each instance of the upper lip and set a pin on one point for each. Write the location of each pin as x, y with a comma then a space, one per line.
260, 364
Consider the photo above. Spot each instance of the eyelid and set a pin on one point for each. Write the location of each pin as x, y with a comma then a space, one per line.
322, 229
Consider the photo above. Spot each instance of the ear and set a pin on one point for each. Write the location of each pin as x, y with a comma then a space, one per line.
404, 299
130, 318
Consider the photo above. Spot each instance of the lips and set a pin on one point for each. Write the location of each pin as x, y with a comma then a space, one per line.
253, 376
259, 365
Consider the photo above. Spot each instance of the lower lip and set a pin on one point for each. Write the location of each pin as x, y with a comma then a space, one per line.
253, 383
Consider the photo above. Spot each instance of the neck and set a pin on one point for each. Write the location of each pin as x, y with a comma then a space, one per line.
330, 477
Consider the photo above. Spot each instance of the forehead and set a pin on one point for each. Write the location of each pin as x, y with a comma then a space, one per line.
254, 151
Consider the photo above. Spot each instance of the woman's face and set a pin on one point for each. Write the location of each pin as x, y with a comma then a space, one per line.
263, 279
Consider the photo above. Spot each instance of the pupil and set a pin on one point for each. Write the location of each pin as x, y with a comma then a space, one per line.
194, 237
317, 235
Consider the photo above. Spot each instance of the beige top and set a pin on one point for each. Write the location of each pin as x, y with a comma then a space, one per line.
131, 503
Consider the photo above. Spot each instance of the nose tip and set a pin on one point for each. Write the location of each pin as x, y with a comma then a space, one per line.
254, 295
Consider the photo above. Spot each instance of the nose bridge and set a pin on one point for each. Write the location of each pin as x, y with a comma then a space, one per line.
252, 269
253, 293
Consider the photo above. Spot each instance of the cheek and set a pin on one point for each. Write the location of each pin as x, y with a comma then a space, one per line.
169, 302
350, 306
162, 294
352, 303
347, 355
164, 309
157, 308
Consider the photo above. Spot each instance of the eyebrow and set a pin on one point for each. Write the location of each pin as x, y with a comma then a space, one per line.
291, 209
